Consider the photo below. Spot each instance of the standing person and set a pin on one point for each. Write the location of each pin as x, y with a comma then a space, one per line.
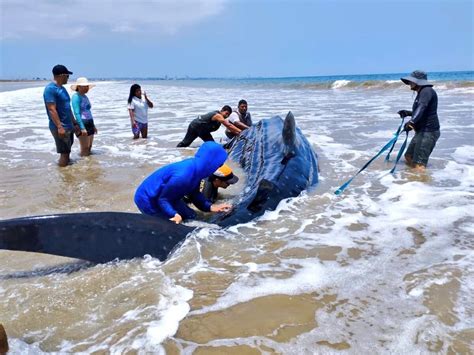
240, 118
161, 194
221, 178
138, 104
202, 126
58, 108
81, 107
424, 120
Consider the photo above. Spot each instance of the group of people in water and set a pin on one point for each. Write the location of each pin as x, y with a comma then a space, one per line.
167, 192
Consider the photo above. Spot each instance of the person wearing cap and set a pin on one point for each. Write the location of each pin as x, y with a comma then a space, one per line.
240, 118
221, 178
81, 107
424, 120
162, 193
58, 108
203, 125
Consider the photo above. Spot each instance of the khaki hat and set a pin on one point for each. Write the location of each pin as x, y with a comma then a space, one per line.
225, 173
81, 82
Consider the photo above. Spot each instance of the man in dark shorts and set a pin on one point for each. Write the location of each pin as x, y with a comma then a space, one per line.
424, 120
202, 126
62, 123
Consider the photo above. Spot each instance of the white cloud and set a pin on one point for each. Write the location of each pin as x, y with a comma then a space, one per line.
68, 19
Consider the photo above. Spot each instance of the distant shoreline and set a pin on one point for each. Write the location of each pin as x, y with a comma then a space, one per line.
469, 74
6, 81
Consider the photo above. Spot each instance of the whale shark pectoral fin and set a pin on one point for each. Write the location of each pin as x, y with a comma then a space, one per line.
289, 130
265, 187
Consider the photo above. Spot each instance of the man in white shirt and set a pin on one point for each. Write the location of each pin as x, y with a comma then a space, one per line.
240, 118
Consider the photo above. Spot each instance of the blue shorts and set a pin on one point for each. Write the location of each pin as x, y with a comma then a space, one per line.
421, 146
138, 128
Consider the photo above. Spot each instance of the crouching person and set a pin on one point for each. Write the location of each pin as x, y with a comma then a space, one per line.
161, 194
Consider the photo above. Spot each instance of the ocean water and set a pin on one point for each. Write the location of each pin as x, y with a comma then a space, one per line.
387, 267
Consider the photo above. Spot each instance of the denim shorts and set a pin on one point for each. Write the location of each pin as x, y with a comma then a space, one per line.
138, 128
63, 145
421, 146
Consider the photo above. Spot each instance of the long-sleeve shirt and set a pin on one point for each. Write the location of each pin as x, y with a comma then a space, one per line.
424, 111
163, 190
81, 107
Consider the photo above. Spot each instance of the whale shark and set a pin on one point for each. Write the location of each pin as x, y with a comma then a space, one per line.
279, 163
275, 155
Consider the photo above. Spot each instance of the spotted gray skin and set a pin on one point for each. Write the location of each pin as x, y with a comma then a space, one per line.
279, 163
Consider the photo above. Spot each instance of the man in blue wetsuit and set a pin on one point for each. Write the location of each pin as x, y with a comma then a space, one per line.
58, 107
161, 194
424, 120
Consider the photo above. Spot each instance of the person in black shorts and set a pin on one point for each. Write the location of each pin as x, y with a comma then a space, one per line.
203, 125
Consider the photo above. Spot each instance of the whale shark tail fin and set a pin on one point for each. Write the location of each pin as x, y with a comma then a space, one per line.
289, 129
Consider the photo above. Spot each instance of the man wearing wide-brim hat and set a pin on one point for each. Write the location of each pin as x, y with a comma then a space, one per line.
424, 120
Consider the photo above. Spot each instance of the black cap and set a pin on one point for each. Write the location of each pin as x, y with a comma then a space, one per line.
60, 69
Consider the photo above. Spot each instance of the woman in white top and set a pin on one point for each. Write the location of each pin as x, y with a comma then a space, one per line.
138, 110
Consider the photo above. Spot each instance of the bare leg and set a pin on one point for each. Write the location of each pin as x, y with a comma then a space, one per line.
419, 168
84, 142
91, 139
63, 159
408, 159
144, 132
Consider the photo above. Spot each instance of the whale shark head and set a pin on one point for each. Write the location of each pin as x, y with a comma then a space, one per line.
279, 163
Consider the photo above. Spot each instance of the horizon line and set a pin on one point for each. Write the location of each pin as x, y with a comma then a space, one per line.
186, 77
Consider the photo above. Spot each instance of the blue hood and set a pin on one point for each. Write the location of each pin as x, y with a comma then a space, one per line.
162, 191
208, 159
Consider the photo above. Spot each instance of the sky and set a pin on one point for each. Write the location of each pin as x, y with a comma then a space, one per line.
233, 38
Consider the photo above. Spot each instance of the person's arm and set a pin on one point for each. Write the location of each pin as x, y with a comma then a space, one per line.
205, 205
200, 201
131, 112
55, 117
148, 102
219, 118
240, 125
76, 108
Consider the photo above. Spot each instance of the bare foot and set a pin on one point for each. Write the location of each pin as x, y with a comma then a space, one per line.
419, 168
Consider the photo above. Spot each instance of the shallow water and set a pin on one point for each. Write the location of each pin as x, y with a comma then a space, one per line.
385, 267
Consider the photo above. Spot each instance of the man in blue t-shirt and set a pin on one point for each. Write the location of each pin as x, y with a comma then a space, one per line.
58, 107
